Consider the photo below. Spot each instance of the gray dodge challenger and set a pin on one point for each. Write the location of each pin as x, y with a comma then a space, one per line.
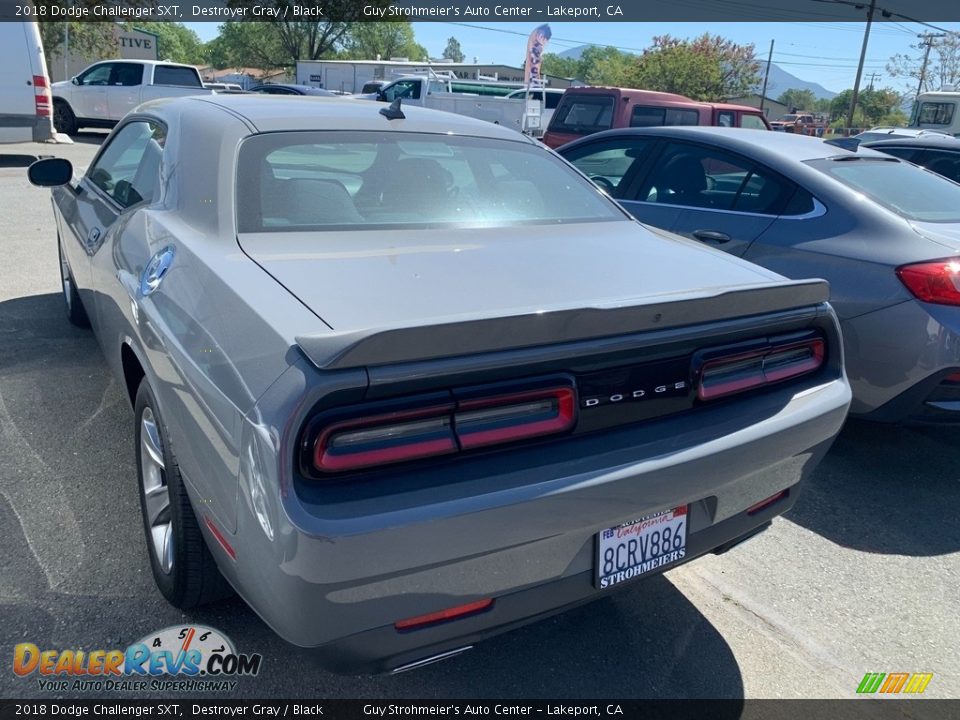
404, 379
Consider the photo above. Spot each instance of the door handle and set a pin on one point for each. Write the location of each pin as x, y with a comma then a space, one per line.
711, 236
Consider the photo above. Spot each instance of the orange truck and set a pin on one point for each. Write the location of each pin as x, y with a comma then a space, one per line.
801, 123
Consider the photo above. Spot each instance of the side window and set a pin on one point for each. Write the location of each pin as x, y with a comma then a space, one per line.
682, 117
403, 89
725, 119
943, 163
800, 204
97, 75
752, 122
904, 153
702, 177
608, 163
127, 74
129, 168
176, 75
553, 99
647, 116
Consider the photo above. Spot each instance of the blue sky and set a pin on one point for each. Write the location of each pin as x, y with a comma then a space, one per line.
822, 52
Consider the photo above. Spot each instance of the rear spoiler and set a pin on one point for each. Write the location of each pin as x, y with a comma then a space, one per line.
370, 347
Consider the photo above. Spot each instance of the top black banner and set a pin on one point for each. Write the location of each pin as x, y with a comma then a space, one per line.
486, 10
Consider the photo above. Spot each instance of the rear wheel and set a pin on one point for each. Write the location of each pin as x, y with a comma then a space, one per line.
183, 568
76, 313
64, 121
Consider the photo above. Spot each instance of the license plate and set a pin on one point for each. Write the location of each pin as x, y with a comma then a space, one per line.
640, 546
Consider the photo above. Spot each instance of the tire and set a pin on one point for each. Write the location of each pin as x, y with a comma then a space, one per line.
183, 568
76, 313
64, 121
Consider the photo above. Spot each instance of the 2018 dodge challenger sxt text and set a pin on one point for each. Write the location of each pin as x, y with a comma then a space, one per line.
406, 379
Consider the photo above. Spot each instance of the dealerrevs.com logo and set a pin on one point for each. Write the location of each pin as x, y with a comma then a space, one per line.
177, 658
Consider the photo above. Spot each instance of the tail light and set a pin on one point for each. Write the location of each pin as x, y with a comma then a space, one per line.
721, 374
933, 282
443, 429
44, 103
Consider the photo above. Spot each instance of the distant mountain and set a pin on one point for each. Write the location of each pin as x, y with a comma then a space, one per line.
779, 82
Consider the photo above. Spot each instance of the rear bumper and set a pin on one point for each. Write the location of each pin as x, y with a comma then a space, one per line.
338, 576
897, 360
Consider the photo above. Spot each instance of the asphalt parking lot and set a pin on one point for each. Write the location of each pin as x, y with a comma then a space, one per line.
860, 577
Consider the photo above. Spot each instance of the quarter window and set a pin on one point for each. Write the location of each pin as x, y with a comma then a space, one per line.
129, 169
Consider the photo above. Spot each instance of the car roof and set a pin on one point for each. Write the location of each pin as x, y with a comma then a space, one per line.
931, 140
271, 113
771, 147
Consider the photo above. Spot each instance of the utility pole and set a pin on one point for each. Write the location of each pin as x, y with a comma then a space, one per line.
766, 76
863, 56
873, 76
926, 39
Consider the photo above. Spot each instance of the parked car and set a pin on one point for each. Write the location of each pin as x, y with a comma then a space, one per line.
291, 89
884, 233
938, 153
895, 133
937, 110
801, 123
586, 110
411, 382
106, 91
25, 110
224, 87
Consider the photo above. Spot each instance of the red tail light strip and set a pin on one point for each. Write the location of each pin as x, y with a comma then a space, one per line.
723, 376
42, 98
374, 440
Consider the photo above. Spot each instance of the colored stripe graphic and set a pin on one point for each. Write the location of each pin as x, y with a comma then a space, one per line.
918, 682
870, 682
894, 682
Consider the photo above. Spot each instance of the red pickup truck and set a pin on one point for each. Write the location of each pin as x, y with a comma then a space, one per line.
586, 110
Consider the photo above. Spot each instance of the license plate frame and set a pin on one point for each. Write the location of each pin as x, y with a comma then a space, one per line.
634, 541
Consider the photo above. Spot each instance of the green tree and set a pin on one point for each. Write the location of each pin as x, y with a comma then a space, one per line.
799, 99
709, 68
177, 42
606, 66
384, 40
564, 67
452, 51
244, 44
943, 65
282, 43
94, 40
874, 107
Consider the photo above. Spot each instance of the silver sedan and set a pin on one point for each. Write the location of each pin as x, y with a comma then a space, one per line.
404, 379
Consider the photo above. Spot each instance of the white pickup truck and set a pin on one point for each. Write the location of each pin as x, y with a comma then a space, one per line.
464, 97
106, 91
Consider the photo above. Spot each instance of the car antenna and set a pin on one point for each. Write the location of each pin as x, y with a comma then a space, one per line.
851, 144
393, 112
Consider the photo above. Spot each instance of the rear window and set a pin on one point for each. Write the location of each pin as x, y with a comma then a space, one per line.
935, 113
173, 75
643, 116
905, 189
365, 180
583, 114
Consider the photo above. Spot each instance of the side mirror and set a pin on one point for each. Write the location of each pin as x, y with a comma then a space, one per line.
50, 172
75, 80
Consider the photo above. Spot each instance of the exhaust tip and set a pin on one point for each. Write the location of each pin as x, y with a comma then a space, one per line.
430, 660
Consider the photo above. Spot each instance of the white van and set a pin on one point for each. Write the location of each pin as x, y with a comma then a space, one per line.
25, 102
937, 111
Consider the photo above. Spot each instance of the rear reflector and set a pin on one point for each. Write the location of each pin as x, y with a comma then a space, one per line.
753, 509
374, 440
739, 372
933, 282
953, 378
215, 531
42, 97
454, 613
